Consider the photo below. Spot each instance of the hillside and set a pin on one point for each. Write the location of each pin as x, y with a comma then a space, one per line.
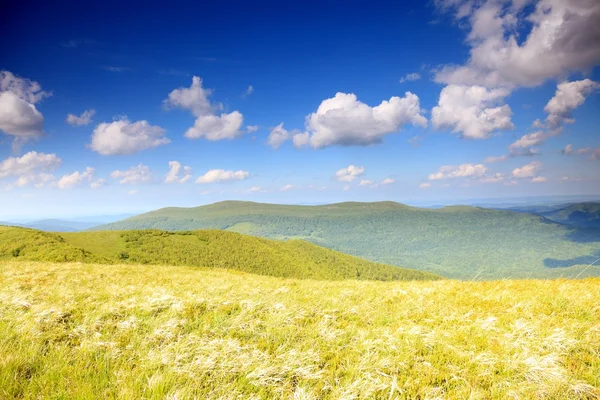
89, 331
217, 249
460, 242
585, 215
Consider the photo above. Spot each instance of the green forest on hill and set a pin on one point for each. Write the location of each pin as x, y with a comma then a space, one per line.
459, 242
212, 249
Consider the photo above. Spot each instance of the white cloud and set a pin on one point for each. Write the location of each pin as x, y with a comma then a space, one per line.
561, 36
251, 128
25, 89
31, 168
220, 175
531, 139
123, 137
568, 96
18, 115
277, 136
178, 173
194, 99
213, 127
494, 159
249, 90
410, 77
98, 183
472, 111
287, 187
527, 171
76, 178
425, 185
208, 124
133, 176
256, 189
366, 182
538, 124
387, 181
459, 171
539, 179
494, 178
343, 120
301, 139
84, 119
349, 174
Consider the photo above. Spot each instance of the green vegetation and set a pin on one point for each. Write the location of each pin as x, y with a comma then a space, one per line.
89, 331
459, 242
586, 215
218, 249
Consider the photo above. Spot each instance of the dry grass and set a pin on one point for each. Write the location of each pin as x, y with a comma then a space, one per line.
94, 331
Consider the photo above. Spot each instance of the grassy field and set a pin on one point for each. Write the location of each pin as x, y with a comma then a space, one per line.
89, 331
459, 242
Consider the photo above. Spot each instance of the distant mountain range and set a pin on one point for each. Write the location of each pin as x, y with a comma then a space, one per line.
67, 225
459, 241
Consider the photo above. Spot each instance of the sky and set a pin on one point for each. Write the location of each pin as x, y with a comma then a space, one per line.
115, 108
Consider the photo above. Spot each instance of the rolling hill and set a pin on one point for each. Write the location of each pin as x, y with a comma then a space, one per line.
459, 242
218, 249
585, 215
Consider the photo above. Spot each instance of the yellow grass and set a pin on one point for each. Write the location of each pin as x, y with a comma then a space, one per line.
84, 331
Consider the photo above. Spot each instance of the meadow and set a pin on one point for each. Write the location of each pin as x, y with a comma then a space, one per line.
89, 331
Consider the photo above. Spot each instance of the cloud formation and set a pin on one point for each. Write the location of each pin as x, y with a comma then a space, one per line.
31, 168
123, 137
349, 174
414, 76
76, 178
133, 176
18, 115
527, 171
84, 119
178, 173
459, 171
474, 112
208, 124
568, 96
221, 176
345, 121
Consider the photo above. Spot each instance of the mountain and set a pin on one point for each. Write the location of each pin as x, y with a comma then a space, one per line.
460, 242
219, 249
60, 225
585, 215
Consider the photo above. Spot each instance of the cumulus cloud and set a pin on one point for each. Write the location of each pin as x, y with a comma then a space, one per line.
251, 128
459, 171
414, 76
527, 171
18, 115
495, 159
124, 137
568, 96
208, 124
569, 149
178, 173
539, 179
249, 90
220, 176
474, 112
343, 120
31, 168
133, 176
494, 178
349, 174
387, 181
561, 36
213, 127
98, 183
366, 182
76, 178
529, 140
277, 136
84, 119
425, 185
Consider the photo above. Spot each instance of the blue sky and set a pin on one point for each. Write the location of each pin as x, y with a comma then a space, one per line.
479, 74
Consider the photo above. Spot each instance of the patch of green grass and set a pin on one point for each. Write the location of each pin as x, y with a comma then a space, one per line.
90, 331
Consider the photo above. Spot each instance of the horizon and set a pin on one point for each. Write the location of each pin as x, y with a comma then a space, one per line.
131, 119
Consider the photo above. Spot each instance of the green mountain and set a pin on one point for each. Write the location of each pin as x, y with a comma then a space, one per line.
460, 242
586, 215
219, 249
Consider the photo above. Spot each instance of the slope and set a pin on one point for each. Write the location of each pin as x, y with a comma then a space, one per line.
89, 331
460, 242
199, 248
586, 215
